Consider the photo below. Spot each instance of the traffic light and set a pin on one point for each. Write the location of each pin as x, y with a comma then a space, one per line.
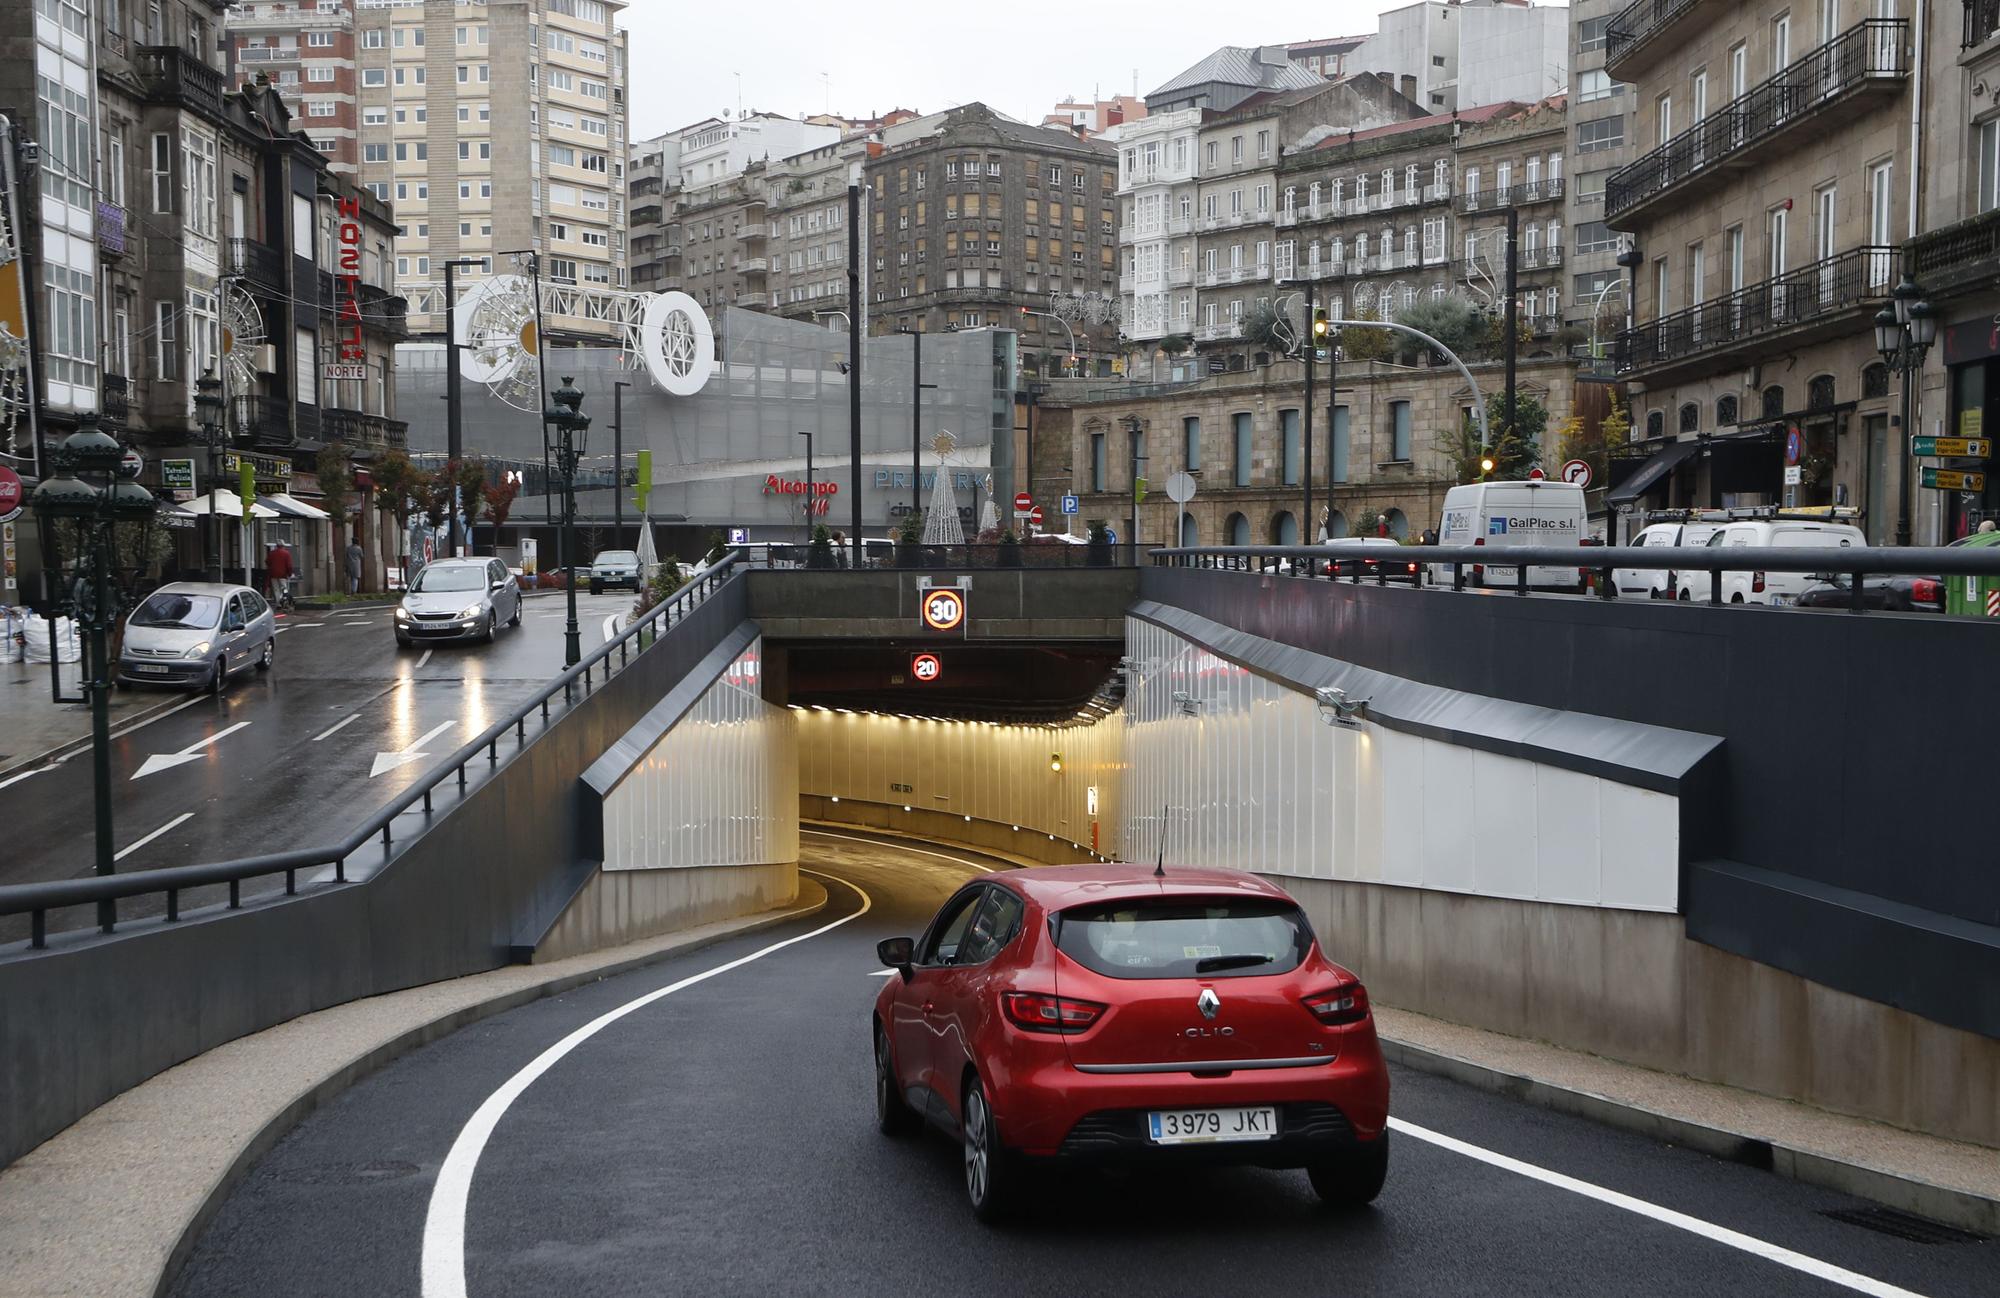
1319, 324
1487, 464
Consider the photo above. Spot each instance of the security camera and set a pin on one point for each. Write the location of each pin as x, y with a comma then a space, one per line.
1336, 708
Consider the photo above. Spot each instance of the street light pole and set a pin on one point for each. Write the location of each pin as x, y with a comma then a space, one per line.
1904, 332
210, 410
618, 387
454, 427
810, 498
572, 427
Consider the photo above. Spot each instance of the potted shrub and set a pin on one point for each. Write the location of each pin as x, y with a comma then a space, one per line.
1097, 553
1010, 551
910, 541
819, 554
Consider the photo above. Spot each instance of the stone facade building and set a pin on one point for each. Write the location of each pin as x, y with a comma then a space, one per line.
1601, 138
808, 237
1510, 167
1242, 436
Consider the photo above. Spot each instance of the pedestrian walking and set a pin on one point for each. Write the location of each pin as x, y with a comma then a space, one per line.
353, 567
278, 573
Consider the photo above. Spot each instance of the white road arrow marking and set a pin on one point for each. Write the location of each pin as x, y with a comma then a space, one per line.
390, 761
193, 752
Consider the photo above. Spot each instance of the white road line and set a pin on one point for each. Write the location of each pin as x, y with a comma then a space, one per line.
16, 779
872, 842
141, 725
130, 848
347, 720
424, 659
1785, 1257
444, 1219
304, 626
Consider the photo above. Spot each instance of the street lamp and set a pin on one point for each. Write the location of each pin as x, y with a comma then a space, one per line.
572, 430
93, 510
209, 411
1904, 332
1050, 315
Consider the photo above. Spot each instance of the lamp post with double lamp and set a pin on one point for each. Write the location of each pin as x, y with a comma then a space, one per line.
1904, 332
209, 412
93, 509
572, 428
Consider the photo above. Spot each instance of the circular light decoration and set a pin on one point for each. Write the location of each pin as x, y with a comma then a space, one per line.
242, 335
497, 343
677, 343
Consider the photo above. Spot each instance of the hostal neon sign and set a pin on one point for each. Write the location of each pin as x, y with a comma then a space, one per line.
348, 338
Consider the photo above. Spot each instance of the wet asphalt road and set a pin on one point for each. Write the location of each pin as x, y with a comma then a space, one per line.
290, 756
721, 1141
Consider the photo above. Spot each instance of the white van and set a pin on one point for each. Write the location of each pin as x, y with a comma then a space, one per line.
1749, 585
1535, 512
1660, 583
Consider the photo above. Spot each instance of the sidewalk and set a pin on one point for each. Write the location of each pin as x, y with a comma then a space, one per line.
35, 728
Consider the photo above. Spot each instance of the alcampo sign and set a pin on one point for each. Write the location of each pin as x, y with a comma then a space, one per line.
821, 492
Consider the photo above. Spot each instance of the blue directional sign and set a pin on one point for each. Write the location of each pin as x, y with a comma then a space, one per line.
1071, 505
1111, 535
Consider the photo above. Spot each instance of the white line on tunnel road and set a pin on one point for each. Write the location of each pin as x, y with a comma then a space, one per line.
424, 659
871, 842
130, 848
347, 720
444, 1219
1785, 1257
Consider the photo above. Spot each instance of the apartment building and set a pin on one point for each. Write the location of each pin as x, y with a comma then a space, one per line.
1326, 57
717, 149
1601, 140
1229, 76
652, 180
1088, 117
1768, 210
808, 235
1445, 55
723, 233
975, 218
1510, 170
185, 232
308, 53
495, 127
1158, 192
1237, 191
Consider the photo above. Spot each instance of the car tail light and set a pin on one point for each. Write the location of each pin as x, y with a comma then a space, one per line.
1042, 1013
1479, 569
1347, 1003
1756, 583
1925, 591
1413, 570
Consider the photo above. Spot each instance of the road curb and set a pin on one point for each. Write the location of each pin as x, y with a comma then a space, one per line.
282, 1123
343, 607
80, 743
1960, 1208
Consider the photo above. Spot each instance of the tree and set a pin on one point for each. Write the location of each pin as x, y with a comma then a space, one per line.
1175, 344
1616, 428
1366, 344
499, 503
335, 472
1455, 321
398, 485
1513, 450
1266, 326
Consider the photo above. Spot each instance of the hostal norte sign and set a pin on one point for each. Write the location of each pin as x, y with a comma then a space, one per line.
352, 362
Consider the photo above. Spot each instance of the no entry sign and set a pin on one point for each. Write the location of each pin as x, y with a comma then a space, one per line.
1023, 502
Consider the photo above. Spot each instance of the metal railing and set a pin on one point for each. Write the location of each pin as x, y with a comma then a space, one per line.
1637, 22
1533, 191
1045, 552
1874, 51
174, 76
1844, 282
1355, 563
258, 262
1959, 257
104, 892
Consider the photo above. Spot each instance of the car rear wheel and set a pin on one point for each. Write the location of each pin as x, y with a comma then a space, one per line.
892, 1114
990, 1174
1355, 1178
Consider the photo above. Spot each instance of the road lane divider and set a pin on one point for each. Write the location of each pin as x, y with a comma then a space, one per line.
1708, 1230
347, 720
134, 846
424, 659
443, 1267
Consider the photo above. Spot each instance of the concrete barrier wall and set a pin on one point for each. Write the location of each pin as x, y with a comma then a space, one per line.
1001, 838
1632, 986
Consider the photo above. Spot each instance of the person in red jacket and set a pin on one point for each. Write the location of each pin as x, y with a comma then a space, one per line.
278, 572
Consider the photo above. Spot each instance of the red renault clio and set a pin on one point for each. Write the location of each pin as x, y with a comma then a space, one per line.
1119, 1013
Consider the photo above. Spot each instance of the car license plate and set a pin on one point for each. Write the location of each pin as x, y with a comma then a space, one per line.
1782, 600
1210, 1126
151, 669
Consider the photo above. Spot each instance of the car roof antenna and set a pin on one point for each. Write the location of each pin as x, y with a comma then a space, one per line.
1160, 866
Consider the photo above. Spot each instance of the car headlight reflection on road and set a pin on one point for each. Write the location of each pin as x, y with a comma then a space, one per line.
199, 651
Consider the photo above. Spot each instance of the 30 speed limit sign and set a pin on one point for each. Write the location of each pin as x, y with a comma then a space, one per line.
944, 609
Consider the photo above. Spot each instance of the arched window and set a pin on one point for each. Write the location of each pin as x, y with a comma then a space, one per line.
1238, 529
1336, 525
1774, 401
1285, 529
1690, 417
1656, 423
1875, 380
1398, 526
1189, 531
1819, 393
1725, 411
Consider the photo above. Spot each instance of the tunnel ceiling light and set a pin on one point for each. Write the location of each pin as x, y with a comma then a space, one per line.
836, 798
906, 808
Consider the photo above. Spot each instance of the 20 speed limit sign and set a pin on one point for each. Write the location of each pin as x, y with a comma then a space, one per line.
925, 668
944, 610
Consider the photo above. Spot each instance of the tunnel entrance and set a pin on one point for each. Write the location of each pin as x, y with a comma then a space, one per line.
1012, 683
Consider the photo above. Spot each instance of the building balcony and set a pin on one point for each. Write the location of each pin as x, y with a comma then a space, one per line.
1216, 333
374, 434
1534, 191
1180, 276
1835, 81
110, 229
267, 54
257, 262
755, 266
1548, 258
1827, 298
116, 401
260, 421
1631, 42
178, 79
1435, 193
1959, 258
285, 17
1982, 22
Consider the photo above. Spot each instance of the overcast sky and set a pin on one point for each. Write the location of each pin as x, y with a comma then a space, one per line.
806, 56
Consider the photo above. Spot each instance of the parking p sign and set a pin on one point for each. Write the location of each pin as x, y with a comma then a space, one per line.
1071, 505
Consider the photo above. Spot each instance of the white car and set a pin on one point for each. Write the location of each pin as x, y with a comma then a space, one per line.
1660, 583
197, 634
458, 599
1749, 584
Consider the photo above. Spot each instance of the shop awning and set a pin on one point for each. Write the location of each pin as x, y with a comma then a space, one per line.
228, 503
1653, 472
292, 507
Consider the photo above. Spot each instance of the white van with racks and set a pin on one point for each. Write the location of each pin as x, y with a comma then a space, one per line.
1500, 515
1751, 585
1661, 583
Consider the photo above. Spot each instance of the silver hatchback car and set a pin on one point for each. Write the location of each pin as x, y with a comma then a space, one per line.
458, 599
197, 634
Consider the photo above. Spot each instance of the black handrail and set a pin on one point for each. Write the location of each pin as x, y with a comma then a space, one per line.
37, 899
1638, 21
1846, 281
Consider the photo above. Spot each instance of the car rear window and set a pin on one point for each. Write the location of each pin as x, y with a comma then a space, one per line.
1185, 937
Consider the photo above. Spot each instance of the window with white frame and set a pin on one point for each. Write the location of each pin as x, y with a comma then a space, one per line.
198, 182
319, 75
166, 347
70, 353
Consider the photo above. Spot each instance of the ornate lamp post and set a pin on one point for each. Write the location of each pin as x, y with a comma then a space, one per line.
209, 410
572, 428
92, 510
1904, 332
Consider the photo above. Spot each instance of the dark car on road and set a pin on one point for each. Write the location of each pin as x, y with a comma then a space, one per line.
1105, 1014
1892, 592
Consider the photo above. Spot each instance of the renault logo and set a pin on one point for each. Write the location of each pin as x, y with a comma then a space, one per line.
1208, 1003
